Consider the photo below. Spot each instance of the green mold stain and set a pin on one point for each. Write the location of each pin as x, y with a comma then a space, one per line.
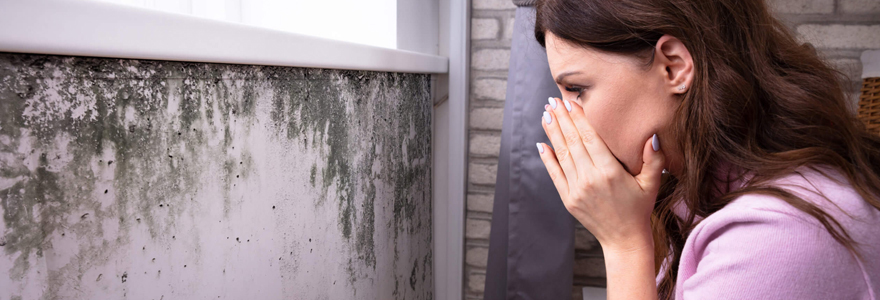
355, 119
349, 114
157, 156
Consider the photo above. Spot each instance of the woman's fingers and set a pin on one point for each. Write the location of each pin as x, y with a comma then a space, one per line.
652, 168
564, 156
548, 156
581, 158
599, 153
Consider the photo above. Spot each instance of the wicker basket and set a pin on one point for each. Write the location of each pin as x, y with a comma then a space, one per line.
869, 104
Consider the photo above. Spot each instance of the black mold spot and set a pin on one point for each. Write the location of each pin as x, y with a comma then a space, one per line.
412, 276
312, 173
125, 277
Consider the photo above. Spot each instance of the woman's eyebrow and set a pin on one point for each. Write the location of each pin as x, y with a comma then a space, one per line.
564, 74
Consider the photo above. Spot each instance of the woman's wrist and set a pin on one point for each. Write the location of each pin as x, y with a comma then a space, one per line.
630, 271
641, 242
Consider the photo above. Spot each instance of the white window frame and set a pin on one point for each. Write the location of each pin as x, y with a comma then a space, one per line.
100, 29
93, 28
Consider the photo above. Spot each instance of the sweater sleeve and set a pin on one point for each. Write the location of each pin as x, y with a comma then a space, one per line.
759, 253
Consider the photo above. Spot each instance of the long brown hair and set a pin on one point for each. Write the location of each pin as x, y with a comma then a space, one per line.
760, 103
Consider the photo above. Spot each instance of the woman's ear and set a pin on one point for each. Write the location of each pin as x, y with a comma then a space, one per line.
676, 63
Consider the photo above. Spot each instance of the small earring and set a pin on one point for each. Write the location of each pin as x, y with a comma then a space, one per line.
682, 87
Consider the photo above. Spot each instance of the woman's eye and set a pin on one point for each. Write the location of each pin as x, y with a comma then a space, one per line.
578, 90
574, 89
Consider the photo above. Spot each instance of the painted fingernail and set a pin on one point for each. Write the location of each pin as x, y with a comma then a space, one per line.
540, 148
547, 117
655, 143
552, 102
567, 105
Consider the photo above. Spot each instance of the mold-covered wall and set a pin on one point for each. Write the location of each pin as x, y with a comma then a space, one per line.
131, 179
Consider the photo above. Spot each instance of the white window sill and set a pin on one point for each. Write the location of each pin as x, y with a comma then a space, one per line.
89, 28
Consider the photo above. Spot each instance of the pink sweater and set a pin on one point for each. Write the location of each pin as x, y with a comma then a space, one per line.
759, 247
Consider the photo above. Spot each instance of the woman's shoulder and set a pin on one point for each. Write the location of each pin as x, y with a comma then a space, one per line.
762, 240
824, 187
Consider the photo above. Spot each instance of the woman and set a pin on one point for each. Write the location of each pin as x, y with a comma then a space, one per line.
773, 184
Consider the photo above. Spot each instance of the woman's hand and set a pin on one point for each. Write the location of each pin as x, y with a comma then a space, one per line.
612, 204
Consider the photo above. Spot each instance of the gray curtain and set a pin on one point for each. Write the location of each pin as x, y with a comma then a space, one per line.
531, 250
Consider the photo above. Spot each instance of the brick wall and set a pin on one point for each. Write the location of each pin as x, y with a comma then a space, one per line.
839, 29
491, 26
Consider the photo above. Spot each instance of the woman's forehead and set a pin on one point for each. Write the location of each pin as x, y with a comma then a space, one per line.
565, 57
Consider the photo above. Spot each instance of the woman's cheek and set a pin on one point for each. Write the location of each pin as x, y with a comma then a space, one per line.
622, 141
607, 127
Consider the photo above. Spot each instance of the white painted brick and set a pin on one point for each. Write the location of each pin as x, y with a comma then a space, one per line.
490, 88
476, 282
584, 240
477, 256
477, 229
491, 59
508, 29
860, 6
493, 4
487, 118
484, 29
484, 144
801, 6
482, 173
480, 202
841, 36
849, 66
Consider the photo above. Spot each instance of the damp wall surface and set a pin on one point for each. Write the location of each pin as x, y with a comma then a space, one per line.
136, 179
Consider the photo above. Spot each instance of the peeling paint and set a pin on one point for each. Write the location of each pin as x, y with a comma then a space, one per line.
167, 175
